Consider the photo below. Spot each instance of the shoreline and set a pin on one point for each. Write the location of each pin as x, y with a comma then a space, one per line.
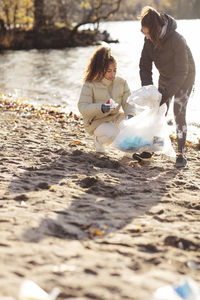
96, 227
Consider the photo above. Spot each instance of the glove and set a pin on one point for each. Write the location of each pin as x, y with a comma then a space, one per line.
110, 104
129, 117
105, 108
165, 98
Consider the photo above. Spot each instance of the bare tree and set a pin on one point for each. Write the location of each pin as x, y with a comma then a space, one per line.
96, 11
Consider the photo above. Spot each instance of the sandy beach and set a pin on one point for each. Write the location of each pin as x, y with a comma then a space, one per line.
96, 226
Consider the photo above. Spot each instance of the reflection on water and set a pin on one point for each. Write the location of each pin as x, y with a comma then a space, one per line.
55, 76
41, 76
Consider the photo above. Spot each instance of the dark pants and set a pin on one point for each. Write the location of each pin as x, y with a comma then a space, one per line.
180, 104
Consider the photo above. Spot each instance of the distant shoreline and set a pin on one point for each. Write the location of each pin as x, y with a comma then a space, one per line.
51, 38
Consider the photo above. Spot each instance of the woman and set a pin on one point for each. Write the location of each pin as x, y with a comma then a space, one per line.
101, 119
168, 50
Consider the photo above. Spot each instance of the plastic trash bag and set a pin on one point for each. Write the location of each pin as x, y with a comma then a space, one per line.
148, 130
145, 96
187, 290
29, 290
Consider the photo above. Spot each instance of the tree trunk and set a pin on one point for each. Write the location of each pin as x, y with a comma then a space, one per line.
196, 8
39, 14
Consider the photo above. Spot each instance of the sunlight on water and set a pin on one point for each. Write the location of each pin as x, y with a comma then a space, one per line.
55, 76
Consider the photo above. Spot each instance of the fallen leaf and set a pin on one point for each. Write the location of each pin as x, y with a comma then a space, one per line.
94, 232
131, 164
52, 189
172, 137
137, 228
76, 143
138, 165
188, 143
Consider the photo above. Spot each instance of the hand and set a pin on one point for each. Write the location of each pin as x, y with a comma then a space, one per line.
110, 104
105, 108
162, 101
129, 117
164, 98
166, 101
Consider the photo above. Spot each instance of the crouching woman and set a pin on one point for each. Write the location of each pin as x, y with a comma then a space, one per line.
103, 98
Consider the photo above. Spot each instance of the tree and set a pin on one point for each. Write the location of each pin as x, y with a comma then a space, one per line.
39, 18
196, 8
93, 11
16, 13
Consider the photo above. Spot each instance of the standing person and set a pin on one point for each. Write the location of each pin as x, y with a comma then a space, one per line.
168, 50
101, 84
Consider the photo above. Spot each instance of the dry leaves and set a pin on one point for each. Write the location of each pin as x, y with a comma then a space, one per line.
76, 143
29, 111
94, 232
52, 189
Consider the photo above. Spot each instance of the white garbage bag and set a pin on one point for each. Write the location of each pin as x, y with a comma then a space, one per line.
145, 96
148, 130
29, 290
188, 289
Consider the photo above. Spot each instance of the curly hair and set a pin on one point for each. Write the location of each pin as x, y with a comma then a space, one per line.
99, 63
152, 19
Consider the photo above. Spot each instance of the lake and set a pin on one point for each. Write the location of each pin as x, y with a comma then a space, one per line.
55, 76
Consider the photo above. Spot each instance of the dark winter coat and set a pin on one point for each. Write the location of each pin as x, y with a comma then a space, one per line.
173, 59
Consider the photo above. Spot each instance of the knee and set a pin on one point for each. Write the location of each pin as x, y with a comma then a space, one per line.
112, 133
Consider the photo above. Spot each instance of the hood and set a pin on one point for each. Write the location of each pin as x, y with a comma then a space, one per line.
171, 26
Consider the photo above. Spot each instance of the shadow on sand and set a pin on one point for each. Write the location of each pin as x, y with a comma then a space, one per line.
109, 194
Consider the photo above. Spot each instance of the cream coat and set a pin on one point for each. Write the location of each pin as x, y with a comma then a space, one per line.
94, 94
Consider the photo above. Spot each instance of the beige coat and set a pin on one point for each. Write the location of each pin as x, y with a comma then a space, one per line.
95, 93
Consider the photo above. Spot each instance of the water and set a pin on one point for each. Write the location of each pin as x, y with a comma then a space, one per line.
55, 76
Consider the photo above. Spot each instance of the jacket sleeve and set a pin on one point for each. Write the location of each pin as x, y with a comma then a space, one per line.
145, 64
181, 66
86, 104
127, 108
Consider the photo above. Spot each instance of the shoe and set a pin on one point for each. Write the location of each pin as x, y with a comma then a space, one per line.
142, 156
137, 157
181, 161
145, 154
99, 147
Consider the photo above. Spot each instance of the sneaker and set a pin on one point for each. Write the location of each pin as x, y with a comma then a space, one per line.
142, 156
181, 161
145, 154
137, 157
99, 147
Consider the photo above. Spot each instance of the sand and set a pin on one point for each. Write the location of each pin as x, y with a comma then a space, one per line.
95, 226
